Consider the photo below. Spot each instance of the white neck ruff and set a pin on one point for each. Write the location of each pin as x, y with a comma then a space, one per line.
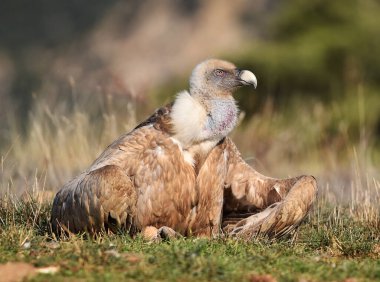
193, 124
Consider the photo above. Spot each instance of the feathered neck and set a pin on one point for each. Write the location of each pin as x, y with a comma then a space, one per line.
198, 120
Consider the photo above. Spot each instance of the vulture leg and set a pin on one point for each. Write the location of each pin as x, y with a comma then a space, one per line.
255, 204
96, 201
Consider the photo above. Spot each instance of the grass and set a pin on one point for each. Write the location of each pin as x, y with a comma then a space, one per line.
335, 243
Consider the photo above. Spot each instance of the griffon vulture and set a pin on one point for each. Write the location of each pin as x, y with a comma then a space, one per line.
179, 173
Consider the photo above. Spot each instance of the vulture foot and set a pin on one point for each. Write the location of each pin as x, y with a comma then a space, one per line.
152, 234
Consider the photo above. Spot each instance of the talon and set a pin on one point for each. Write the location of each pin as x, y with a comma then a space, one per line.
151, 234
167, 233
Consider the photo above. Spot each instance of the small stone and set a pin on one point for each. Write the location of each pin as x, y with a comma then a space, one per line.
48, 270
26, 245
132, 258
262, 278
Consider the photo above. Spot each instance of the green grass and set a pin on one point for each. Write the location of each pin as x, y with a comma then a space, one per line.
331, 245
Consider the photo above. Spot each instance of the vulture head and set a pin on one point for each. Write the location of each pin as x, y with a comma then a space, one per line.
217, 77
208, 112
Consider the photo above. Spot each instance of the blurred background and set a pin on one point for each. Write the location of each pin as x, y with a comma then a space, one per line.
74, 75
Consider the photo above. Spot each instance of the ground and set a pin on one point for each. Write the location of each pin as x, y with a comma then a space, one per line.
331, 245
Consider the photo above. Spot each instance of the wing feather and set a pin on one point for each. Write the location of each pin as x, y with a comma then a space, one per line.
281, 203
133, 167
283, 217
90, 204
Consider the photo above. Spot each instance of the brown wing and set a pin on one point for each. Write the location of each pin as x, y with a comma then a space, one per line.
132, 144
104, 196
254, 203
289, 213
279, 218
103, 199
141, 179
248, 190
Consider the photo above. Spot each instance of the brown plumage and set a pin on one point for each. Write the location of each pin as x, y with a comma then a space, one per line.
178, 171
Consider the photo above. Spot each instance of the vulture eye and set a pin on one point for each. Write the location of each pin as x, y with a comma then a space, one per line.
219, 72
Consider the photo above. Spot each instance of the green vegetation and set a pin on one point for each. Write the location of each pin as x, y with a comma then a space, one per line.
317, 50
333, 244
320, 61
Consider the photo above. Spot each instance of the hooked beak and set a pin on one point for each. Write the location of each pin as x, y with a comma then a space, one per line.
247, 78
